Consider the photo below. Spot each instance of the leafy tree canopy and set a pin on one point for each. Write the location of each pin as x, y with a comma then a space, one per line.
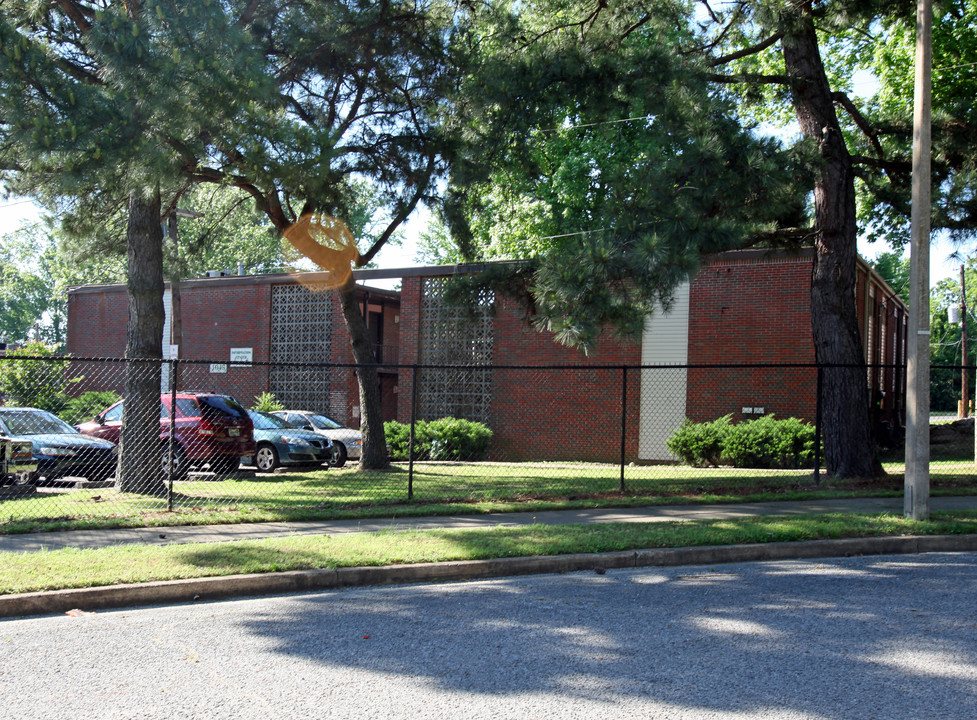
598, 150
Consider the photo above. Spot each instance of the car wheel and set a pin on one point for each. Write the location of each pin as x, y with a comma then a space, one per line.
266, 458
338, 457
180, 464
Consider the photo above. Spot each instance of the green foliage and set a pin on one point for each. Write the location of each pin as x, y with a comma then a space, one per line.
23, 294
442, 439
87, 405
601, 152
894, 269
37, 266
888, 53
436, 247
945, 338
98, 104
458, 439
33, 382
267, 402
762, 443
700, 444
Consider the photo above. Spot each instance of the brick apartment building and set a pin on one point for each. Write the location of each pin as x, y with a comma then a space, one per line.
541, 399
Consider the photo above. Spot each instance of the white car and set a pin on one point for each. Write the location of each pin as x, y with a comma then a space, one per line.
346, 442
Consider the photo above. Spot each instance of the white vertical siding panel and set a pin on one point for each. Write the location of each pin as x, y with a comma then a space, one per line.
663, 391
167, 312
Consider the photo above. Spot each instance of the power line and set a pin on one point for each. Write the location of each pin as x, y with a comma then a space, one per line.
604, 122
8, 203
954, 67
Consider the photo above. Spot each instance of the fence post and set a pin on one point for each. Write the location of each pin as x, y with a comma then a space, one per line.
174, 369
817, 428
410, 444
624, 417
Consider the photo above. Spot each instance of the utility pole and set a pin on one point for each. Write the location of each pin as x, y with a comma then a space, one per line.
917, 482
964, 386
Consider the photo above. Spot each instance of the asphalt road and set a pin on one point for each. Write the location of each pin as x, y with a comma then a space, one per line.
864, 637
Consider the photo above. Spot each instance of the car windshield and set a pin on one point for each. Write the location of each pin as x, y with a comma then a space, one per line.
322, 422
34, 422
264, 421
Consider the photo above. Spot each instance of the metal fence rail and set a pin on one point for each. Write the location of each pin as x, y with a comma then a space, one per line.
531, 432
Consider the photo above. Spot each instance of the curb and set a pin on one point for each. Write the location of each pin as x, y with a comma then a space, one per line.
218, 588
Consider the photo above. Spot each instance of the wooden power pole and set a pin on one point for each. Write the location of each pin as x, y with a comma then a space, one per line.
964, 358
917, 482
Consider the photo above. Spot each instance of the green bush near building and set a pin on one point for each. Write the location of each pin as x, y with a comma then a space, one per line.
443, 439
762, 443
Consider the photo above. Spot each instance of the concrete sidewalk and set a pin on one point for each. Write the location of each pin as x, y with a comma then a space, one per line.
33, 542
176, 591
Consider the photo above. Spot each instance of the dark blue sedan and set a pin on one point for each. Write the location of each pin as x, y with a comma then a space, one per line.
59, 449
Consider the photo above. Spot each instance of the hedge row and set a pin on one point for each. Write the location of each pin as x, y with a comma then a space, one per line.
443, 439
762, 443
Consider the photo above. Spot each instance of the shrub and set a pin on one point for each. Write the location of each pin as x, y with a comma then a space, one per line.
87, 405
769, 443
457, 439
762, 443
442, 439
700, 444
266, 402
397, 435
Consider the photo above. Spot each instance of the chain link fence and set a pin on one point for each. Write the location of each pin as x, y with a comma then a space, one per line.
109, 438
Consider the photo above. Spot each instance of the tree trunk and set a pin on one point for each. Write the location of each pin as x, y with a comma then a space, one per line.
140, 467
374, 455
848, 444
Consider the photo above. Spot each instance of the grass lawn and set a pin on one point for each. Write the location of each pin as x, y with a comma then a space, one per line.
72, 568
446, 488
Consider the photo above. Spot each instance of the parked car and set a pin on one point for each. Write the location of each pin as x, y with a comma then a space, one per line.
347, 442
59, 450
17, 462
278, 442
208, 429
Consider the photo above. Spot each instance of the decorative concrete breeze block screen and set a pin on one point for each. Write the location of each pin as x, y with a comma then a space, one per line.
454, 335
301, 332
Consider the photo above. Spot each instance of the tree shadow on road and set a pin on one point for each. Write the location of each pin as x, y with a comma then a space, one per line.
850, 637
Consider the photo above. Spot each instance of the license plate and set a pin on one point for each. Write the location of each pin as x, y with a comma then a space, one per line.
233, 432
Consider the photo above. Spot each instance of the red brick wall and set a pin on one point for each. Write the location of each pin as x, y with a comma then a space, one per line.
553, 414
97, 328
561, 414
744, 308
97, 323
410, 314
747, 309
216, 318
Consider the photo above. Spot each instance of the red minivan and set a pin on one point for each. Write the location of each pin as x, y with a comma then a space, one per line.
207, 428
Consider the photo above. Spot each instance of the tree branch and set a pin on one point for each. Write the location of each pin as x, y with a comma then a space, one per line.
750, 78
860, 120
892, 166
746, 52
248, 13
401, 215
77, 14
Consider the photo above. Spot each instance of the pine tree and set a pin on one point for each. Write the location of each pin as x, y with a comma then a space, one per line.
362, 88
101, 106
